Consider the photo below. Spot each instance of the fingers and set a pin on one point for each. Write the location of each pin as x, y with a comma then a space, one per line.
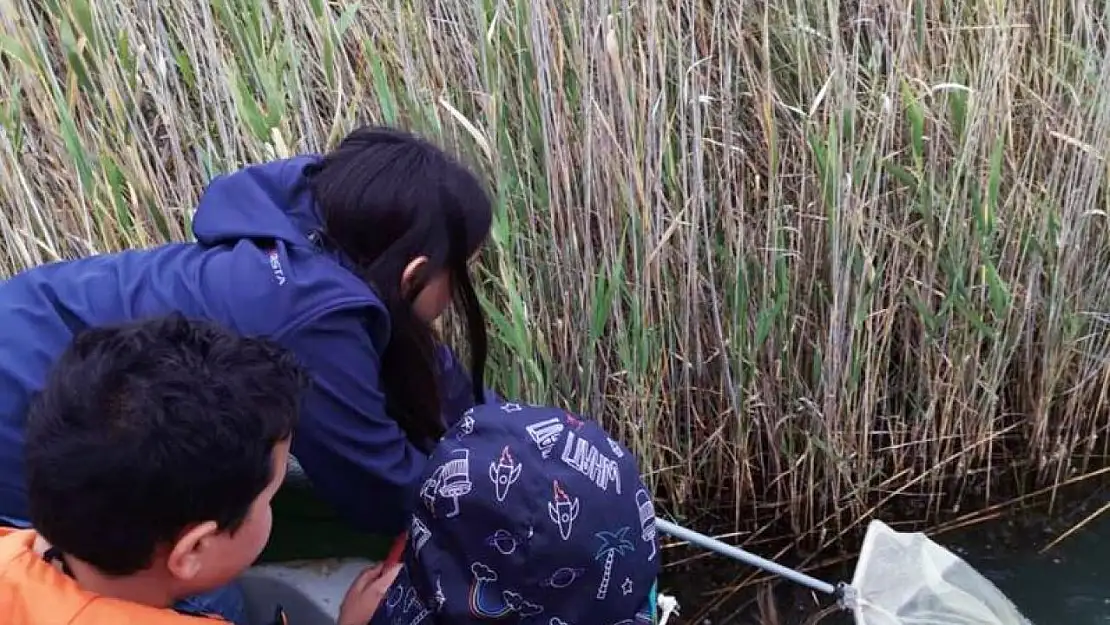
367, 577
376, 574
366, 594
386, 578
374, 590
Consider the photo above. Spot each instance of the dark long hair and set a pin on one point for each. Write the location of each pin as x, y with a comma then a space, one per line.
387, 197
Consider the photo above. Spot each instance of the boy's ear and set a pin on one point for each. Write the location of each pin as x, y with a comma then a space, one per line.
187, 554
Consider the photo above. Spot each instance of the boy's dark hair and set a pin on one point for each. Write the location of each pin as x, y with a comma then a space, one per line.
146, 428
386, 197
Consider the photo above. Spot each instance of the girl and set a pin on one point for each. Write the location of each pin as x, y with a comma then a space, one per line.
346, 259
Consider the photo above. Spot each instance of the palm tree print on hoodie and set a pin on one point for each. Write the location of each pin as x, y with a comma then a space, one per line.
613, 544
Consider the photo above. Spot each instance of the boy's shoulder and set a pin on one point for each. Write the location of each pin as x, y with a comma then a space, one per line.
35, 591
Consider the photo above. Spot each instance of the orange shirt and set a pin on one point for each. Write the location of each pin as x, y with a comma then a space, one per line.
35, 592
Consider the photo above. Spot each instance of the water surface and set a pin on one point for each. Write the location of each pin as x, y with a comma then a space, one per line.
1069, 585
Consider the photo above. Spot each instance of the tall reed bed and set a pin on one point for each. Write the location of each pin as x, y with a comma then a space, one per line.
811, 260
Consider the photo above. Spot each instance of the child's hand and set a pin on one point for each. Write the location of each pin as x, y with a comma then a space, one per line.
366, 594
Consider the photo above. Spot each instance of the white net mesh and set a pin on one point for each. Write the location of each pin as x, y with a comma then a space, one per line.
907, 579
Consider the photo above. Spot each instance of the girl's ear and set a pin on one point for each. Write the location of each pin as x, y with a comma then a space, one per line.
412, 274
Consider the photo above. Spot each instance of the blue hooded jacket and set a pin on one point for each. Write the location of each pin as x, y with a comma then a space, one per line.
255, 269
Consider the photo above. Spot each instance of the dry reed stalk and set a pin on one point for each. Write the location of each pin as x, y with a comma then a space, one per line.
810, 260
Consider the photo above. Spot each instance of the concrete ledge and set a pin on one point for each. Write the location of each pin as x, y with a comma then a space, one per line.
311, 592
294, 472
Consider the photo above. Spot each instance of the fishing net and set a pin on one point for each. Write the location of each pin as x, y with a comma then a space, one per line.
907, 579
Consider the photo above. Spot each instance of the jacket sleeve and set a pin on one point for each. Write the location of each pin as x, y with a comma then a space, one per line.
457, 396
354, 454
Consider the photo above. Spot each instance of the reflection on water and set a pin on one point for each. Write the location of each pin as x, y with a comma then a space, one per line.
1069, 585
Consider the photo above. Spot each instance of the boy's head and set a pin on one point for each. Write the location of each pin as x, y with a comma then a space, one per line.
528, 514
155, 449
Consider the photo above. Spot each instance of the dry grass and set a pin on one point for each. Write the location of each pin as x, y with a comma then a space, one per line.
813, 260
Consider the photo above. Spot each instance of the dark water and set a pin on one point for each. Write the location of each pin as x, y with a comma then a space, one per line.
1068, 585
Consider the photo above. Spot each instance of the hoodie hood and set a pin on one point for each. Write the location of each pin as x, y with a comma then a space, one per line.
272, 205
267, 201
571, 539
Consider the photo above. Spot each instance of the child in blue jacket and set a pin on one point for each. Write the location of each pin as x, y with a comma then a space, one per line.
345, 259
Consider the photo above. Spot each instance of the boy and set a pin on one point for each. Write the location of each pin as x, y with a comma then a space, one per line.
528, 514
152, 455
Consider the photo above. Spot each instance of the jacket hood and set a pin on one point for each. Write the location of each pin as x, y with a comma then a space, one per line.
271, 200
